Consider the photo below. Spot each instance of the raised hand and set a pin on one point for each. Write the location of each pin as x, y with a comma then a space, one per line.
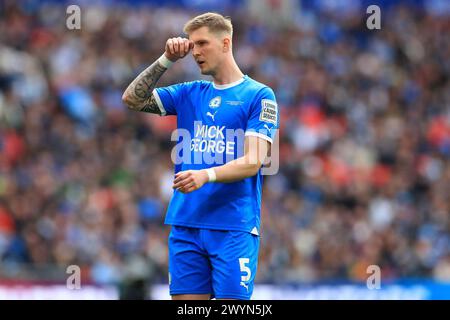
177, 48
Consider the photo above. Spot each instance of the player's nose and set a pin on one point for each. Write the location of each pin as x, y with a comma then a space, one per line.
195, 51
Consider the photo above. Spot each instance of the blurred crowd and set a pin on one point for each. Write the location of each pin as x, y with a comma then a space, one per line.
364, 173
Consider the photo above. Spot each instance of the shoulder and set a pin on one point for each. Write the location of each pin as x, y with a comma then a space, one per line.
259, 88
196, 85
259, 91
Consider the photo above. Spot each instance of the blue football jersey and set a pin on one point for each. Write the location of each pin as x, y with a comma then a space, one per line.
212, 122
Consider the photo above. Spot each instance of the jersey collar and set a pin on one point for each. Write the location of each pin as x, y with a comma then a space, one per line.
228, 85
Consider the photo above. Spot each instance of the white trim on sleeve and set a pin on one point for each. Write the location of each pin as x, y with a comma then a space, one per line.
259, 135
159, 102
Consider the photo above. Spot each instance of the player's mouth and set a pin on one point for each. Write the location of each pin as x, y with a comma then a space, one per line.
200, 63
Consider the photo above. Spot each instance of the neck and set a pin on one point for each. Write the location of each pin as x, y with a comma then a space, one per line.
228, 73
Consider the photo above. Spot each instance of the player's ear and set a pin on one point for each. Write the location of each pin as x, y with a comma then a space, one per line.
226, 44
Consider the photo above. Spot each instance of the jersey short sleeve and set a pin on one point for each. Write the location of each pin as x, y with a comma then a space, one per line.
264, 116
169, 98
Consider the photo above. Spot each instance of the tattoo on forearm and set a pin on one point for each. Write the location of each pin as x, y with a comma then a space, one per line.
139, 92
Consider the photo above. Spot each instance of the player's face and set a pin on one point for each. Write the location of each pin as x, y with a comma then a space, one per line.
208, 50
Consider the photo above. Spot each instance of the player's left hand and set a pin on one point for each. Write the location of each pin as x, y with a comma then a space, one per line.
190, 180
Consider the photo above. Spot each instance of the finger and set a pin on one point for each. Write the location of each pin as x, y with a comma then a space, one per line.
182, 183
193, 188
178, 173
191, 44
188, 183
187, 46
176, 46
183, 190
170, 46
182, 49
187, 187
180, 177
178, 184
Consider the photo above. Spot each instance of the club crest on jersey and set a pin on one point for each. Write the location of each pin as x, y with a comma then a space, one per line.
215, 102
268, 111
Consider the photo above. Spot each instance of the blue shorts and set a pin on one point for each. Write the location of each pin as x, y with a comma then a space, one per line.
216, 262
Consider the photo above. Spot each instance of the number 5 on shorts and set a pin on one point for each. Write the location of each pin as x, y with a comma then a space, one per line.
243, 266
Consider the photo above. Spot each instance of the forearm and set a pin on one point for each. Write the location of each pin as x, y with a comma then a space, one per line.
237, 169
246, 166
138, 96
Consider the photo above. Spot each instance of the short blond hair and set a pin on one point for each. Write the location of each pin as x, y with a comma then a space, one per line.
215, 22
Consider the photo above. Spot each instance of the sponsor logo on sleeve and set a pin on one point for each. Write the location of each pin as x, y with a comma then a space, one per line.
268, 111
